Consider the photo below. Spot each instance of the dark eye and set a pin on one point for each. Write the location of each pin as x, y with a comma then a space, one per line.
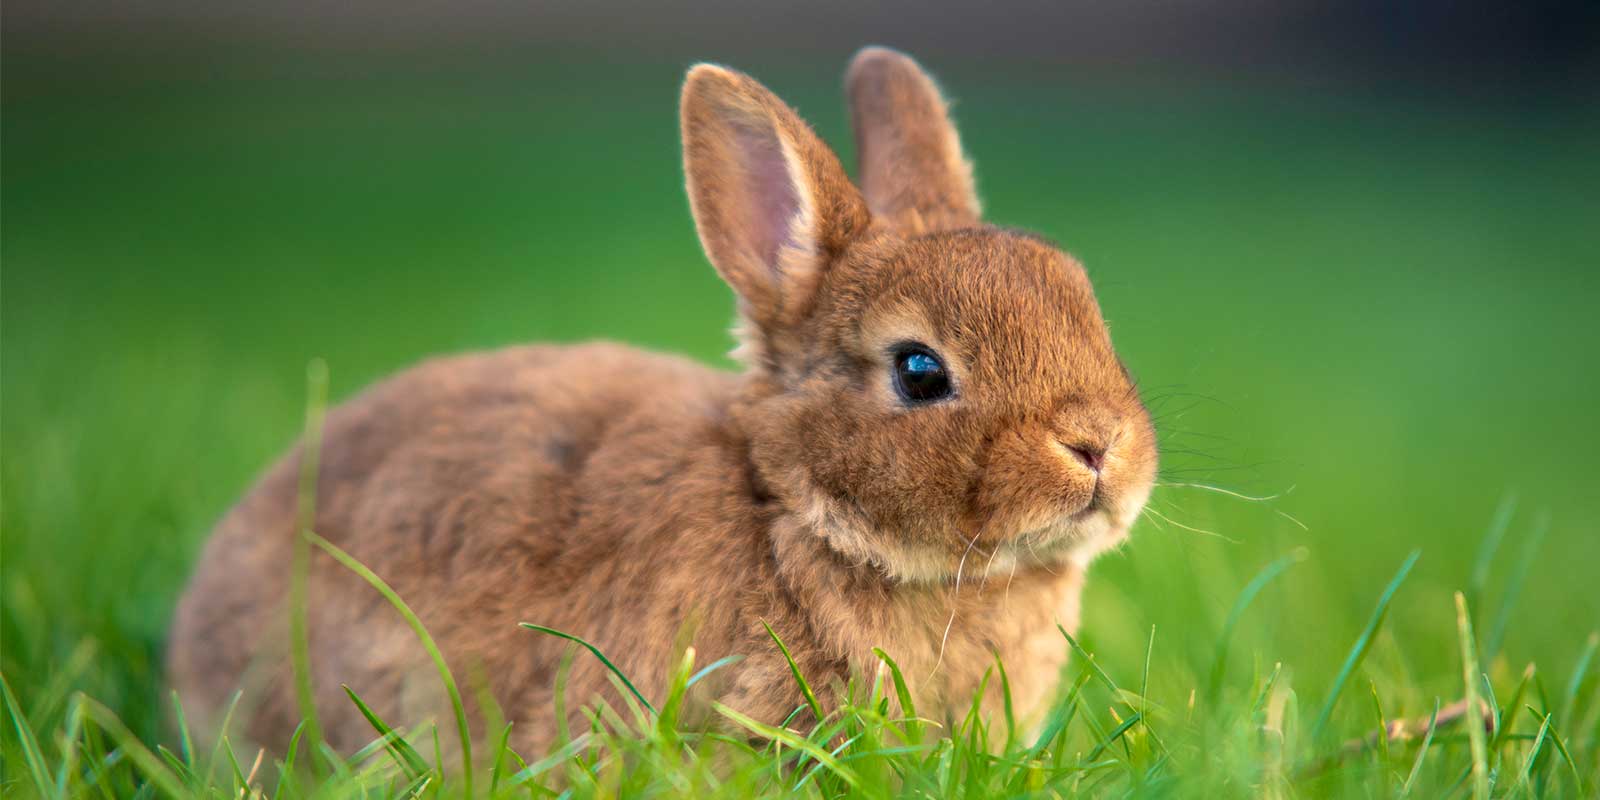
919, 375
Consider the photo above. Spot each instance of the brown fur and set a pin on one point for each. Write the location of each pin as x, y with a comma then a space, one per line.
627, 497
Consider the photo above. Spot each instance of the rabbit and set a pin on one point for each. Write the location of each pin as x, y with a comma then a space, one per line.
930, 439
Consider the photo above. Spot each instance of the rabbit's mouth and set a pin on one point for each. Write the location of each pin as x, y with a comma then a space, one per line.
1076, 537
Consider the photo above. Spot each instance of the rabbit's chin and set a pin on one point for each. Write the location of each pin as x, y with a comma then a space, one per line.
1070, 542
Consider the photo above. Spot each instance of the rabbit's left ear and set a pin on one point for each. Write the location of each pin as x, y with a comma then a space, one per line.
912, 169
772, 204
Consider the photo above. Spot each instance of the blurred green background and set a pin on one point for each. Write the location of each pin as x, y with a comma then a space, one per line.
1371, 298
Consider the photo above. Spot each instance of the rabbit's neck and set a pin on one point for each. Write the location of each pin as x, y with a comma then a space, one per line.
943, 634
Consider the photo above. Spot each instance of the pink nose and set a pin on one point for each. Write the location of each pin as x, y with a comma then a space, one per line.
1092, 457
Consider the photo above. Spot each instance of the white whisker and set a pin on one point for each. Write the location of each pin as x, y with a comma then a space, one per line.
1220, 490
1286, 516
955, 601
1191, 528
1148, 515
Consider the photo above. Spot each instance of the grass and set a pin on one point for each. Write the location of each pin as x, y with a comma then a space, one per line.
1097, 738
1361, 322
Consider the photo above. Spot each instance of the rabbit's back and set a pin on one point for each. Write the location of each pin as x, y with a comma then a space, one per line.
487, 489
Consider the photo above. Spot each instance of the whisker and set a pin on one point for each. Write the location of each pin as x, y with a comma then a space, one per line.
1145, 512
1192, 528
1044, 565
1220, 490
955, 602
987, 567
1286, 516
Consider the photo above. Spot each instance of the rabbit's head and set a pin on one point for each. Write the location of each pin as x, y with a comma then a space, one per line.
926, 391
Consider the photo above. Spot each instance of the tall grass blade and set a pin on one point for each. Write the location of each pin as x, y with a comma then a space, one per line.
597, 654
1469, 674
222, 735
556, 759
1508, 600
713, 667
149, 765
31, 754
1525, 778
70, 747
1363, 643
1569, 697
500, 748
1115, 734
908, 709
792, 740
406, 756
1005, 696
424, 637
1422, 752
805, 688
1498, 525
1220, 662
300, 566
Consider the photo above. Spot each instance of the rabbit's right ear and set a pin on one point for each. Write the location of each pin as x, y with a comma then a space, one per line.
912, 168
770, 200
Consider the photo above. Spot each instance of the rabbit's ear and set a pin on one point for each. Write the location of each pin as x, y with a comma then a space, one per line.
911, 165
770, 200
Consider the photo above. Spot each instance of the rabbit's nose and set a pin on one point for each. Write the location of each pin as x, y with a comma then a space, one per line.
1092, 456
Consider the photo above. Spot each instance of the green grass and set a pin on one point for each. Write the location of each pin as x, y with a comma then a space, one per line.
1376, 314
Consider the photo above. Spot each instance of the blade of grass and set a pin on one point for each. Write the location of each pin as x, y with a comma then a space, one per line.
714, 666
1508, 600
403, 753
31, 755
424, 637
96, 752
1569, 697
902, 692
1525, 778
240, 780
543, 765
185, 742
149, 765
597, 654
1363, 643
1116, 733
300, 566
1265, 693
1104, 678
70, 748
1005, 694
1469, 674
1498, 526
1383, 724
805, 688
1089, 661
792, 740
222, 735
499, 758
59, 688
1422, 752
1566, 755
1271, 571
287, 778
1508, 718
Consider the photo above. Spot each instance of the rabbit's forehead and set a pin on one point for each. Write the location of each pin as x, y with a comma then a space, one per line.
1008, 308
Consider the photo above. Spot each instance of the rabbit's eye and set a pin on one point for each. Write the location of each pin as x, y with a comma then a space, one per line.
919, 375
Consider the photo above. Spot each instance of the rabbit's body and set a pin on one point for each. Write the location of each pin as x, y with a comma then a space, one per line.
932, 439
504, 487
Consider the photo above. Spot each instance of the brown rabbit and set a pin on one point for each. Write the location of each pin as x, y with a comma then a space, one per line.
932, 438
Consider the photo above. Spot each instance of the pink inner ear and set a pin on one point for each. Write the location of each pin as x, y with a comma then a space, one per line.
772, 199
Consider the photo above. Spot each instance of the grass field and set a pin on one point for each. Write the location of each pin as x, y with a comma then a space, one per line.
1378, 313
